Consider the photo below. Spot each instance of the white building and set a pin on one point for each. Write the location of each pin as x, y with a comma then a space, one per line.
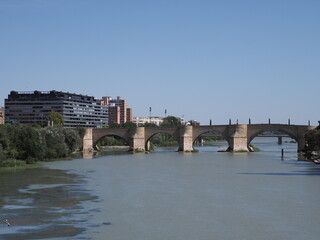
139, 121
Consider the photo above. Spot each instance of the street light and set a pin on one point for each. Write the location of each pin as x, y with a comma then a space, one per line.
150, 113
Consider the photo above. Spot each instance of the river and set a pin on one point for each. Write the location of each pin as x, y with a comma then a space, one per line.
166, 195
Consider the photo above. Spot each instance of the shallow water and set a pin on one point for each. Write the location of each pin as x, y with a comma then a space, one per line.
170, 195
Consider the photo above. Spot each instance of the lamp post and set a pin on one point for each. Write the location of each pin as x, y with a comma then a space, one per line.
150, 113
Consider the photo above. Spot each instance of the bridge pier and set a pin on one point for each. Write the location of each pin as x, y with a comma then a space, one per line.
137, 139
88, 140
279, 140
238, 141
186, 139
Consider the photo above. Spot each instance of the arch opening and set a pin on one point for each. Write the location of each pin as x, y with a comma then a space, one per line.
211, 141
112, 143
272, 140
162, 141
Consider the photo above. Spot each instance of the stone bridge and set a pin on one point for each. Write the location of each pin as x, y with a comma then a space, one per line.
238, 136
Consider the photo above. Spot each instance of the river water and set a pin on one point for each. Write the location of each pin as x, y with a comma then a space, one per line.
167, 195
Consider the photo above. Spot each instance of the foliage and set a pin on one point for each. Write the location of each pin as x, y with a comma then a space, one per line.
56, 118
312, 142
147, 124
213, 138
138, 150
163, 140
20, 142
254, 148
53, 140
31, 144
72, 139
171, 121
12, 163
122, 125
112, 141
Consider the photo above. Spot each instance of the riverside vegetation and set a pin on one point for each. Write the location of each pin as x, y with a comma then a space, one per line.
24, 144
312, 148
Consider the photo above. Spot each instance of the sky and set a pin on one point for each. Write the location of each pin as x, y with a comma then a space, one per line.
199, 59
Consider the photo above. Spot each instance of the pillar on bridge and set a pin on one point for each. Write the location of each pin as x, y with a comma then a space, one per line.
279, 140
137, 139
87, 140
186, 139
238, 140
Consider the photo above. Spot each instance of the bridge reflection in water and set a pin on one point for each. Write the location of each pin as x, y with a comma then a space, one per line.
238, 136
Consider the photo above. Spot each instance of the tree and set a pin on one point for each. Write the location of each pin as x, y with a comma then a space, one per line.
122, 125
312, 142
72, 139
56, 118
54, 141
171, 121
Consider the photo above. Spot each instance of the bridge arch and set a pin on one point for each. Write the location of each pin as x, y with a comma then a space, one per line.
256, 132
220, 130
95, 146
151, 132
99, 134
289, 130
210, 133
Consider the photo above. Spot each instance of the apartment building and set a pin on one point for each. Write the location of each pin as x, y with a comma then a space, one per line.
77, 110
118, 110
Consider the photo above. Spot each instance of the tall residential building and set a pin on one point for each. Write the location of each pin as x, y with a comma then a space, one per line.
2, 115
77, 110
118, 111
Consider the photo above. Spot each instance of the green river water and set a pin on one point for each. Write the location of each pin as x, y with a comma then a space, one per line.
166, 195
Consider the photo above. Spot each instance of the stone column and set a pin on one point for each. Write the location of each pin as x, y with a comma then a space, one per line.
88, 140
137, 139
186, 139
238, 140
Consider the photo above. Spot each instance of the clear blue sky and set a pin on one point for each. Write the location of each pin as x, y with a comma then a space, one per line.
216, 60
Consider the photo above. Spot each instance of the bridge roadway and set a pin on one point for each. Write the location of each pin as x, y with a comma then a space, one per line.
238, 136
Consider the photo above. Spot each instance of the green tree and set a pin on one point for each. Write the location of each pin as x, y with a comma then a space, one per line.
56, 118
312, 142
72, 139
147, 124
171, 121
21, 142
122, 125
53, 139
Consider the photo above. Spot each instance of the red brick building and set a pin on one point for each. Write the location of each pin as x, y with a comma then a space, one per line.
118, 111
